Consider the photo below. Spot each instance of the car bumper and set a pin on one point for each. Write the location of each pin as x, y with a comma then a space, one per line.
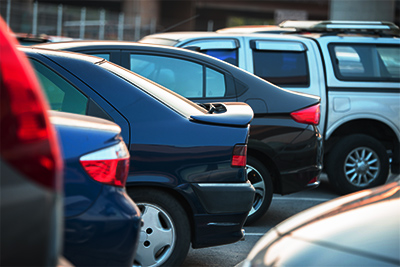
299, 180
303, 162
226, 208
106, 234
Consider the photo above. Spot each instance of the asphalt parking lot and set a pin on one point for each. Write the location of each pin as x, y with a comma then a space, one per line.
282, 207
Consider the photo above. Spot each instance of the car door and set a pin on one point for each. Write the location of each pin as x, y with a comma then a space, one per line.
191, 78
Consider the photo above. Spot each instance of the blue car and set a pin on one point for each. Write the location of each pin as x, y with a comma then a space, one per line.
187, 169
101, 223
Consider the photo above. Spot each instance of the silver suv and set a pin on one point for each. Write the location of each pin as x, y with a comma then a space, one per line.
353, 66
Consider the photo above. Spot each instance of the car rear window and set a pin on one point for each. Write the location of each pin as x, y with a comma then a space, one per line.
283, 68
366, 62
171, 99
62, 96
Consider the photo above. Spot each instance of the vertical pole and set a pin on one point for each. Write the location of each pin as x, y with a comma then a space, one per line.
8, 12
59, 19
138, 21
82, 24
121, 26
102, 23
34, 20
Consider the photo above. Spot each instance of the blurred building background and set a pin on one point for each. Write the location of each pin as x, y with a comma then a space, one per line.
133, 19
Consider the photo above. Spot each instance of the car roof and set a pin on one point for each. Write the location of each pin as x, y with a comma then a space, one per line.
255, 29
75, 45
35, 49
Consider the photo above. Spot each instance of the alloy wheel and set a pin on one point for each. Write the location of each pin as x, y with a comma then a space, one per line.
257, 181
361, 166
157, 236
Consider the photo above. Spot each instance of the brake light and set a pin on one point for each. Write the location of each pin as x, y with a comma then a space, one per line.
239, 157
313, 180
310, 115
28, 140
108, 166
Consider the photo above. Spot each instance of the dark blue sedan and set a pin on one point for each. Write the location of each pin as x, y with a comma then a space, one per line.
187, 170
101, 222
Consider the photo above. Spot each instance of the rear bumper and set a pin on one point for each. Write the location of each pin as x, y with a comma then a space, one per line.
220, 198
106, 234
214, 230
226, 208
301, 163
299, 180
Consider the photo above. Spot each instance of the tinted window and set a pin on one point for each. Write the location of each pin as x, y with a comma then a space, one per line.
371, 62
61, 95
281, 67
169, 98
105, 56
215, 83
181, 76
227, 55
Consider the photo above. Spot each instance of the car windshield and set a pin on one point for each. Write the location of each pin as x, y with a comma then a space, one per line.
171, 99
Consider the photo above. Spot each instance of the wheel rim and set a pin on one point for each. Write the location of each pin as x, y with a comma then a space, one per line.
362, 166
157, 236
257, 180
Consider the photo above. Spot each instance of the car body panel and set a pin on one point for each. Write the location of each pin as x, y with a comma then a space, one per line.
101, 222
165, 157
329, 233
269, 103
353, 71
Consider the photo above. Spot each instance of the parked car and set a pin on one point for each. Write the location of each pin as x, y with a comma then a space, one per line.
360, 229
285, 147
352, 66
187, 169
101, 223
30, 165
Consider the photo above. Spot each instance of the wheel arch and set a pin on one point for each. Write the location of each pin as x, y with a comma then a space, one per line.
173, 193
268, 163
371, 127
377, 129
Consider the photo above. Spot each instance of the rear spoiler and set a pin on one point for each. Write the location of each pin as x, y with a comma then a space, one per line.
230, 114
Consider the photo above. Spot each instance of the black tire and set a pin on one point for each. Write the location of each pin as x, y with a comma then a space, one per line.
165, 225
260, 178
357, 162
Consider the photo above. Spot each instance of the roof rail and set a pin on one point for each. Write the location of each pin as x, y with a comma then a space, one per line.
376, 27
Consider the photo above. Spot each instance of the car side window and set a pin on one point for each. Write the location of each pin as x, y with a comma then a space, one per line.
62, 96
225, 49
227, 55
103, 55
283, 68
215, 83
181, 76
365, 62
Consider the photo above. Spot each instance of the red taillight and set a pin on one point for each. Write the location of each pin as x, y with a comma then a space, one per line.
313, 180
239, 157
28, 140
310, 115
108, 166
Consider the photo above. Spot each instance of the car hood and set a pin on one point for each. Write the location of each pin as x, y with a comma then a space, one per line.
363, 225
